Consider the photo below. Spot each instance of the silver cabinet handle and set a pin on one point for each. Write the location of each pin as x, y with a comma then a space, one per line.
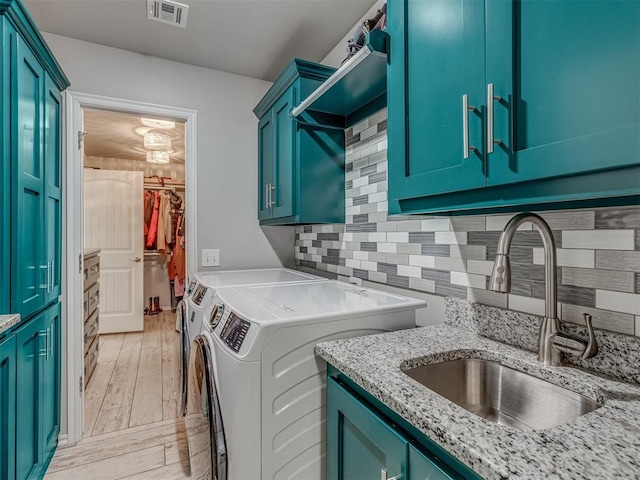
272, 188
269, 195
43, 352
266, 195
465, 126
383, 475
490, 99
52, 281
45, 286
137, 259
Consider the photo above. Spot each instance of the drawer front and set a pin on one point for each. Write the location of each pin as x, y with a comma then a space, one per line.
85, 306
91, 328
91, 271
91, 360
94, 298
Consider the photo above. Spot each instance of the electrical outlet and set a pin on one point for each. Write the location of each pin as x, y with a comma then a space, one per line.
210, 257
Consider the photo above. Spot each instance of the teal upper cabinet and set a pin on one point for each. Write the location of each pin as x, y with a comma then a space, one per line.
499, 105
300, 161
443, 51
29, 262
31, 152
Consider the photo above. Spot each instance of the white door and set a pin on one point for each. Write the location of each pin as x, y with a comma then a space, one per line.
113, 204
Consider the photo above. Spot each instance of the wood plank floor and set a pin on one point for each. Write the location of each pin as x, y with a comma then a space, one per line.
131, 425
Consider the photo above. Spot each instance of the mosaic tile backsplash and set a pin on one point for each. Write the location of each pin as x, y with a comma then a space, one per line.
598, 249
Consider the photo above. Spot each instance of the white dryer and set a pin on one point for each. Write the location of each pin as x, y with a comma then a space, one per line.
266, 418
199, 296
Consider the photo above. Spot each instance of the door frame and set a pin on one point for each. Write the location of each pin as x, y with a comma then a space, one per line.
72, 282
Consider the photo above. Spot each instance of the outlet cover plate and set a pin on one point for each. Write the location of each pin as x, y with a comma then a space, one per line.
210, 257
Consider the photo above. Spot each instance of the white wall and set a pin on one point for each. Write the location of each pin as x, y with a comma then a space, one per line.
226, 140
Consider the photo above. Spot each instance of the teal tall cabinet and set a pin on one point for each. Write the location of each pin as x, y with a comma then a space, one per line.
31, 245
300, 161
510, 104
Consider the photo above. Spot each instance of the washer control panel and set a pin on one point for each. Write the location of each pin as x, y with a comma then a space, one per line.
192, 285
234, 332
199, 294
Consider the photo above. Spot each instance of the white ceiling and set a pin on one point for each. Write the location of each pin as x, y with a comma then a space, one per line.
119, 135
255, 38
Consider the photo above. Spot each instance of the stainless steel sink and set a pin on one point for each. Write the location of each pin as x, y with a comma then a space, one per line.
501, 394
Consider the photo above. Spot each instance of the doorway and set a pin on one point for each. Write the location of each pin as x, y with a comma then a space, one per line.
110, 184
135, 267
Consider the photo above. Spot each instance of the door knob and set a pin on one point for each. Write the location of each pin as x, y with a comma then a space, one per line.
137, 259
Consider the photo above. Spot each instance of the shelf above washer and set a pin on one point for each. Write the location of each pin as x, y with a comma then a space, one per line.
362, 79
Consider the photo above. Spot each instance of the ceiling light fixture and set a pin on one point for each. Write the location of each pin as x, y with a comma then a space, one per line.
162, 124
157, 157
157, 140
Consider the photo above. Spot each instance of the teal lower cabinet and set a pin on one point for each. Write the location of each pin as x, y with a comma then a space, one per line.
8, 407
364, 442
37, 403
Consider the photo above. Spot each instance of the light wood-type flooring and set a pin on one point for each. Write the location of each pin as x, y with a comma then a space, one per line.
131, 425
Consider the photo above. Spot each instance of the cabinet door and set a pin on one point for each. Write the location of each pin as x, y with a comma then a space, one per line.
359, 442
568, 72
31, 346
49, 382
29, 268
421, 467
5, 167
7, 408
53, 210
266, 159
437, 57
283, 196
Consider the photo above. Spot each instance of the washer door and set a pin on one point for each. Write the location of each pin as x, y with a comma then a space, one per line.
203, 420
182, 321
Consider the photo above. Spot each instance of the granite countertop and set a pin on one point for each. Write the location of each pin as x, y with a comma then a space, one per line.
604, 443
90, 251
8, 321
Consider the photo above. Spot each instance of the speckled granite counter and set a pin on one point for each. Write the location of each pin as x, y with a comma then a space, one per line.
602, 444
8, 321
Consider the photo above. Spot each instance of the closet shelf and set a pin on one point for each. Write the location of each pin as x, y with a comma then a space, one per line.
362, 79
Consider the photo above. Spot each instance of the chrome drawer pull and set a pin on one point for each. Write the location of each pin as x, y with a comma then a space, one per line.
490, 99
465, 126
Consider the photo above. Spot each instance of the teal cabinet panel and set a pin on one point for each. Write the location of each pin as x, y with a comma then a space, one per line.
283, 192
37, 392
31, 347
555, 88
365, 436
5, 168
28, 232
50, 384
53, 191
571, 98
266, 165
360, 444
428, 124
300, 163
7, 407
421, 467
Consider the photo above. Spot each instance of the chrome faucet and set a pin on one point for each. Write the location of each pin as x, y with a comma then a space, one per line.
552, 342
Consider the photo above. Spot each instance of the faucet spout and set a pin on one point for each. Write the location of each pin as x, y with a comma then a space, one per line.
501, 280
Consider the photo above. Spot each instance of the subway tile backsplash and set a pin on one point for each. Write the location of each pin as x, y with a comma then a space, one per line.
598, 249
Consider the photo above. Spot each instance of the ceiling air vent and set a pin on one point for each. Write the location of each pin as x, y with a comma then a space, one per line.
167, 11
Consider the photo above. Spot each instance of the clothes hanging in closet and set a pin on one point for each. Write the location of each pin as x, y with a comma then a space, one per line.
153, 226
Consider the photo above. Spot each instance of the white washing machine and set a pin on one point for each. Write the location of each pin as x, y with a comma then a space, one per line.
199, 295
260, 414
